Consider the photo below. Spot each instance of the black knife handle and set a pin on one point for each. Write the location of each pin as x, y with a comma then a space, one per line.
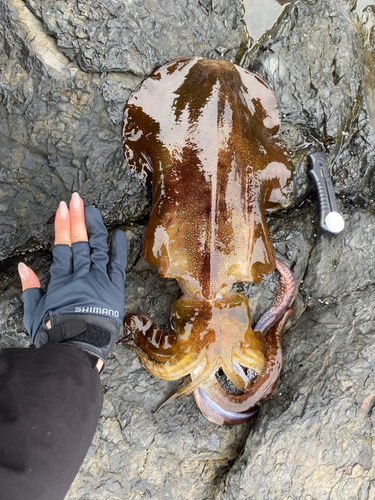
326, 196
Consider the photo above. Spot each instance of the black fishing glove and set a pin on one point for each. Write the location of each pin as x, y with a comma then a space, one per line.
85, 298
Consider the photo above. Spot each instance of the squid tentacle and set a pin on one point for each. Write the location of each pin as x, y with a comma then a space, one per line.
248, 360
214, 402
265, 384
214, 413
282, 299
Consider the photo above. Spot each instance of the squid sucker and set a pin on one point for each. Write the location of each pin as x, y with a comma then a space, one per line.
204, 134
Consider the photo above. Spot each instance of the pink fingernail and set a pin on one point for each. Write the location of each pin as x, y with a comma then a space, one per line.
23, 271
64, 212
76, 201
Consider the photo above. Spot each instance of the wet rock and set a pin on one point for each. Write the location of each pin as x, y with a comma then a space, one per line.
315, 437
315, 61
138, 36
136, 453
135, 234
67, 69
57, 136
341, 264
12, 330
149, 294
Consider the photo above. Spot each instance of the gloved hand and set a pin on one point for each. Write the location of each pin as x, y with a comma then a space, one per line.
84, 303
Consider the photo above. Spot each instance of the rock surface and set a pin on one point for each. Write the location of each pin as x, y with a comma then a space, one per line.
67, 69
315, 438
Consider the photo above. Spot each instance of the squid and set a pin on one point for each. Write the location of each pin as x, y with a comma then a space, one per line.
203, 134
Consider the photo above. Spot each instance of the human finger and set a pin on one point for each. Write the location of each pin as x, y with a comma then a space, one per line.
32, 294
81, 258
62, 225
31, 299
98, 239
78, 231
62, 264
118, 252
28, 278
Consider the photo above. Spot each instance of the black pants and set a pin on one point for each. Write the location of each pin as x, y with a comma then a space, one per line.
50, 403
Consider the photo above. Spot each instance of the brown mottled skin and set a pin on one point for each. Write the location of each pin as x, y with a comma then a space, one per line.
203, 132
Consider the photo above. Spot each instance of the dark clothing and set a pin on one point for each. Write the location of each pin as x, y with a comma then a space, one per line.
50, 403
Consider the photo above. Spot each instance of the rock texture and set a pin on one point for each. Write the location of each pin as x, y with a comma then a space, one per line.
316, 63
315, 438
67, 69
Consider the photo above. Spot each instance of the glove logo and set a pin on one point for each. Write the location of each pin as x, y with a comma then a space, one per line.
98, 310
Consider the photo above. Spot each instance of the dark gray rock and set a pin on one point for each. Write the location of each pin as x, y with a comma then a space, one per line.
138, 36
67, 69
60, 121
315, 61
12, 330
136, 453
57, 136
149, 294
315, 437
341, 264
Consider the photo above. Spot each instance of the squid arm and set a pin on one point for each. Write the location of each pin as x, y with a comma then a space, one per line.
194, 384
266, 383
151, 340
282, 299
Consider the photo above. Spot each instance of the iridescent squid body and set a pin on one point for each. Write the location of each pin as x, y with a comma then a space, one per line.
203, 132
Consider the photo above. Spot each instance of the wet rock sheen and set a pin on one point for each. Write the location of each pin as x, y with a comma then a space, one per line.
67, 70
